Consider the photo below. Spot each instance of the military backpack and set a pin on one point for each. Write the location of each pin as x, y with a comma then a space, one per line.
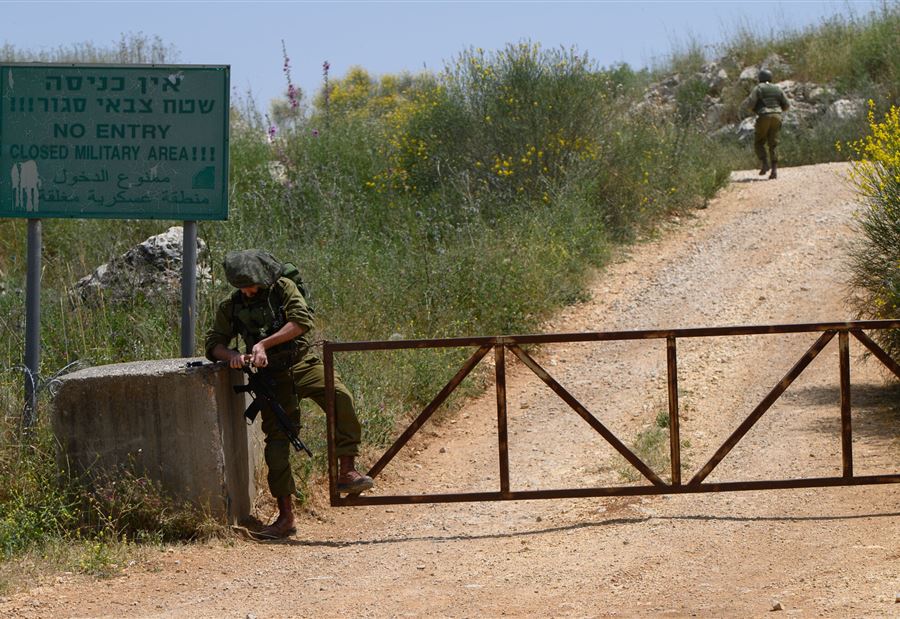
290, 271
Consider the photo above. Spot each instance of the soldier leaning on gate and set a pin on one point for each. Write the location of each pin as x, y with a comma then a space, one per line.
271, 316
767, 101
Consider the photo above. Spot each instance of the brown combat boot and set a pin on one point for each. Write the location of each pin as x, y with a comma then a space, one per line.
764, 167
349, 479
774, 173
284, 524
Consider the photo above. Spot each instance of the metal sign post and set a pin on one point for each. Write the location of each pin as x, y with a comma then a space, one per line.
188, 288
32, 322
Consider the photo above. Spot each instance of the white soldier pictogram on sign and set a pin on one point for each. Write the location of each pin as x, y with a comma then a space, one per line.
26, 186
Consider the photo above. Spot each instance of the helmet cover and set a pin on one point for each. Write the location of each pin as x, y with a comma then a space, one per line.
251, 267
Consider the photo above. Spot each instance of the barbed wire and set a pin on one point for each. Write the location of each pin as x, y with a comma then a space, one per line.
38, 385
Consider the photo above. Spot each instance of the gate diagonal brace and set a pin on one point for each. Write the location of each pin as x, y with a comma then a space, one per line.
595, 423
427, 412
876, 350
763, 406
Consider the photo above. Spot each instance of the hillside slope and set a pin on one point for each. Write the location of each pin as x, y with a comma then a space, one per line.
763, 252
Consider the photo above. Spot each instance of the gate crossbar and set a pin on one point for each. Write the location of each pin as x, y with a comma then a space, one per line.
657, 486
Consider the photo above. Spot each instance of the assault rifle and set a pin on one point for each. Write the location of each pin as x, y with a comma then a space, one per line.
261, 387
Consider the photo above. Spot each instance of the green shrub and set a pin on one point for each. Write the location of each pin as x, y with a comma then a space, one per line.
32, 507
875, 261
127, 505
96, 516
815, 143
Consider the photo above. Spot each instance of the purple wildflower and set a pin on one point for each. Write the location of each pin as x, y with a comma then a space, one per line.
292, 92
326, 90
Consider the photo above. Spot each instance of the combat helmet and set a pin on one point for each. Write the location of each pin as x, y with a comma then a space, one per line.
764, 76
251, 267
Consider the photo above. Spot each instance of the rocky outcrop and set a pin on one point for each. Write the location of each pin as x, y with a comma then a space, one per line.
152, 269
723, 82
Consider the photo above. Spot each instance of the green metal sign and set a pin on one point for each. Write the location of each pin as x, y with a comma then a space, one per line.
115, 142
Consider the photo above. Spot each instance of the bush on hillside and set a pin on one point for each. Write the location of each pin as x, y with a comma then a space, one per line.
131, 48
875, 263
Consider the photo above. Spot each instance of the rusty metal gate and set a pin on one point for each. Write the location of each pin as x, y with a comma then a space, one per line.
501, 344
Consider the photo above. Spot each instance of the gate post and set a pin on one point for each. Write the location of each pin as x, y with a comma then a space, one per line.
330, 420
502, 436
846, 425
674, 433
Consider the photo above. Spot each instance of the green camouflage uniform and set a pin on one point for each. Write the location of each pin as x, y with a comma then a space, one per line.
298, 373
768, 102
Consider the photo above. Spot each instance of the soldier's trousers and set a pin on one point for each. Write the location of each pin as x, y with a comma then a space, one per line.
305, 379
768, 127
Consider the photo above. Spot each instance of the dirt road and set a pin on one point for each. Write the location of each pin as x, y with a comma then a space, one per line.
763, 252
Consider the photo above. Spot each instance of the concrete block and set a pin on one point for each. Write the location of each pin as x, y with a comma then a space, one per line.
181, 426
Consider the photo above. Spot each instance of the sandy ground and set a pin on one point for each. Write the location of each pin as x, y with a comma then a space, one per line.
764, 252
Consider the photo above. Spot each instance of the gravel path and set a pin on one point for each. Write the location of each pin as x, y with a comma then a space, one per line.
762, 253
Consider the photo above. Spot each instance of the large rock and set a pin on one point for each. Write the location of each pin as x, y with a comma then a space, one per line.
800, 113
715, 114
749, 74
725, 132
792, 89
821, 95
746, 130
773, 62
152, 268
846, 109
777, 65
715, 78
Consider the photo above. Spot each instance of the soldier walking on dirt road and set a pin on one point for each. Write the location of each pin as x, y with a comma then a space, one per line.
767, 101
